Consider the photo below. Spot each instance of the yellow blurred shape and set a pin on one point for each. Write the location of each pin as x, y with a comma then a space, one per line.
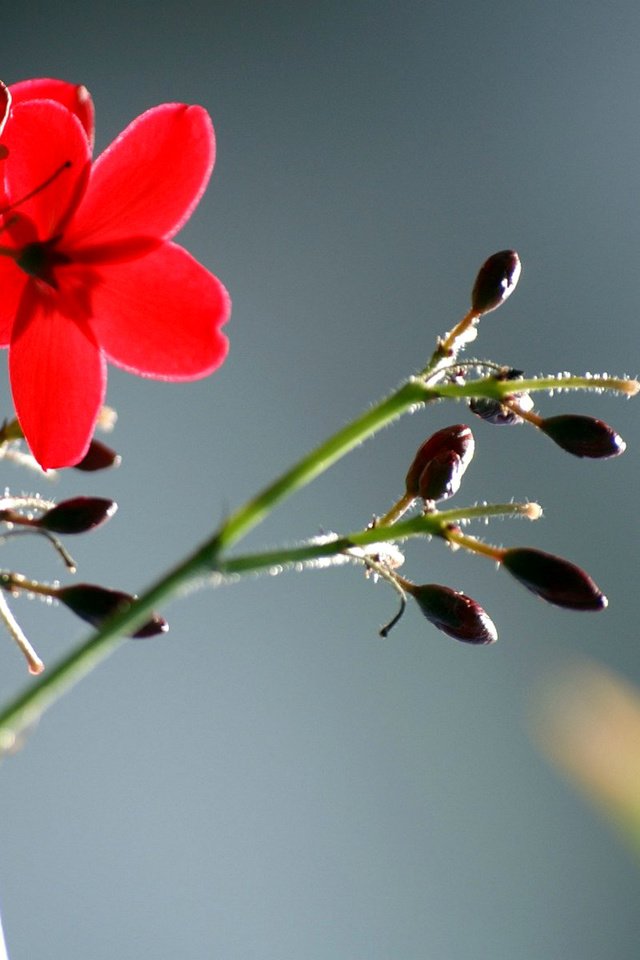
588, 723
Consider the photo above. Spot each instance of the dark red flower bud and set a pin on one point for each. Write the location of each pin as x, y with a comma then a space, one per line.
496, 280
441, 478
495, 412
96, 604
583, 436
456, 614
98, 457
553, 579
77, 515
439, 464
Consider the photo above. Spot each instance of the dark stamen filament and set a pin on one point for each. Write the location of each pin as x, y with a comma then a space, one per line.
32, 193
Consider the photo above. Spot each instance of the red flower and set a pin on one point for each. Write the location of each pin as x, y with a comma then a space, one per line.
87, 269
74, 97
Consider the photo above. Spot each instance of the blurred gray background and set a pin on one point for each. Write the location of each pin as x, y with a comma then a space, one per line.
272, 780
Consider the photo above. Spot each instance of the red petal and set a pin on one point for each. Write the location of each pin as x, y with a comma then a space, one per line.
160, 316
12, 282
42, 137
74, 97
5, 103
57, 379
147, 183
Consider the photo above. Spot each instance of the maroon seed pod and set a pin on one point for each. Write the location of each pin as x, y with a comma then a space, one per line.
96, 604
439, 464
553, 579
583, 436
455, 614
78, 515
98, 457
496, 280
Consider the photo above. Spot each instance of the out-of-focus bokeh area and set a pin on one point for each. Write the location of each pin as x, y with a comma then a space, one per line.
272, 780
588, 721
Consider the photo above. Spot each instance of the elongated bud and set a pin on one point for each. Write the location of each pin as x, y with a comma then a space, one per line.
96, 604
583, 436
98, 457
454, 613
438, 466
496, 280
553, 579
495, 412
78, 515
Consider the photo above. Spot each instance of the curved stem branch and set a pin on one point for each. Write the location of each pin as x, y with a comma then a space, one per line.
411, 394
28, 706
496, 389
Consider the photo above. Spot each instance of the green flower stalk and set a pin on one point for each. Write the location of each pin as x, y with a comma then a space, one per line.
443, 378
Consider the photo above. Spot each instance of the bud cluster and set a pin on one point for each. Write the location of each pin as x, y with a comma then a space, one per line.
435, 474
496, 394
77, 515
438, 467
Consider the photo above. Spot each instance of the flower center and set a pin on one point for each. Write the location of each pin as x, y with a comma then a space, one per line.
39, 258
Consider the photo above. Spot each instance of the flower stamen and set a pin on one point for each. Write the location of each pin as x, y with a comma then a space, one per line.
36, 190
34, 663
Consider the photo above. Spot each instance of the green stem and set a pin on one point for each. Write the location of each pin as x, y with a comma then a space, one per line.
411, 394
496, 389
324, 548
28, 706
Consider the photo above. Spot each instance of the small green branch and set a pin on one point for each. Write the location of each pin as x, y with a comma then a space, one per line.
207, 559
411, 394
28, 706
495, 389
324, 548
